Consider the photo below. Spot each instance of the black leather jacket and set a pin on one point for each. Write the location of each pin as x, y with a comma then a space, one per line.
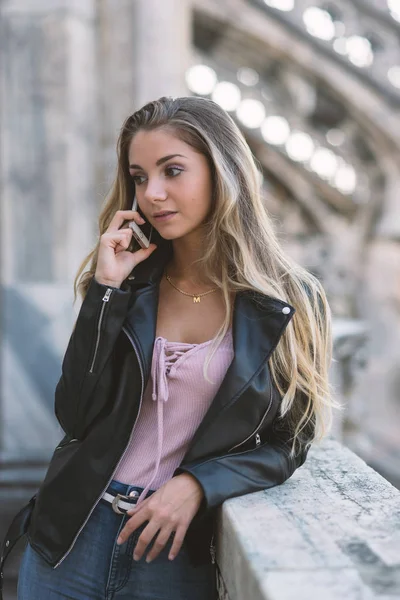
236, 449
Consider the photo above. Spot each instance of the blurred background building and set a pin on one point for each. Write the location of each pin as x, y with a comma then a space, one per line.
315, 88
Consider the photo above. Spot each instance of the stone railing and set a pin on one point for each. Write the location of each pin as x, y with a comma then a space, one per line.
331, 532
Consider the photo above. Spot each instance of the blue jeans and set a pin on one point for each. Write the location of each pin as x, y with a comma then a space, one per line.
98, 569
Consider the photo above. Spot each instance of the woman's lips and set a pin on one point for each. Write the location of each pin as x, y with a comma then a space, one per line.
165, 217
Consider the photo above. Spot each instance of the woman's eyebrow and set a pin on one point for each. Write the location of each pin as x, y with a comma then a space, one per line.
159, 162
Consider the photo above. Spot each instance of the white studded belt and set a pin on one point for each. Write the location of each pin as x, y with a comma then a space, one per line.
121, 503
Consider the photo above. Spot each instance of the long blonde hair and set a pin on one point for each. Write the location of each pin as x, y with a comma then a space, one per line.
241, 253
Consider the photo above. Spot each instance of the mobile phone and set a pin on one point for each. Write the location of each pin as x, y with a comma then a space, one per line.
137, 232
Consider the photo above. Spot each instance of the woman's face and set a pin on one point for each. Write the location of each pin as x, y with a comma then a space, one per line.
169, 175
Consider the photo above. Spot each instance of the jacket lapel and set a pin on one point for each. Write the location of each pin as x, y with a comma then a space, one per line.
141, 320
258, 323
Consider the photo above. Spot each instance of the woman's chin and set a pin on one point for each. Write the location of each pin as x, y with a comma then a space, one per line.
170, 234
175, 233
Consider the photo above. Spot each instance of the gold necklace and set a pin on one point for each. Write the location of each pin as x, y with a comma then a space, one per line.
196, 297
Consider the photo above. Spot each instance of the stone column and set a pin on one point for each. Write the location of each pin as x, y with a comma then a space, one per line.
117, 84
163, 46
48, 133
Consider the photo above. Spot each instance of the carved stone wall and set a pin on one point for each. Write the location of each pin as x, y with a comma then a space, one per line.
351, 240
72, 71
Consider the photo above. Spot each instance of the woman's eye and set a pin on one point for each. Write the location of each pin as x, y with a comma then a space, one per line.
169, 170
137, 179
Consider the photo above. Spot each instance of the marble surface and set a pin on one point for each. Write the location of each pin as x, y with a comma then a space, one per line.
331, 531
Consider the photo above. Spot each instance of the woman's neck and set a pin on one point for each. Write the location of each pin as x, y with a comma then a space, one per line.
183, 267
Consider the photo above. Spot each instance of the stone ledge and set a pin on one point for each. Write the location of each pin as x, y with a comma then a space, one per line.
330, 532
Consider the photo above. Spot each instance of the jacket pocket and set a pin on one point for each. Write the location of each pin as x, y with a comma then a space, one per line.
254, 436
60, 459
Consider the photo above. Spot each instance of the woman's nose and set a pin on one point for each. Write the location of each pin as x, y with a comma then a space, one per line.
155, 191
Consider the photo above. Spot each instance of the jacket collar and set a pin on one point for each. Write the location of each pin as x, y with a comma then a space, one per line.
150, 271
258, 323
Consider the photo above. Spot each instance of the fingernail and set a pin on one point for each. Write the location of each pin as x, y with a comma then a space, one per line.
135, 557
119, 540
171, 557
148, 560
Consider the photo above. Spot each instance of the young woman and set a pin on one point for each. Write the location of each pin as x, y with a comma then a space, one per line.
197, 370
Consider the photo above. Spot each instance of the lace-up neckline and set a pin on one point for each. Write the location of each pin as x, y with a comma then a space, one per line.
167, 357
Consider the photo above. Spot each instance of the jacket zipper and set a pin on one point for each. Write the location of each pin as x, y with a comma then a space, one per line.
212, 550
123, 454
105, 299
69, 441
227, 455
255, 432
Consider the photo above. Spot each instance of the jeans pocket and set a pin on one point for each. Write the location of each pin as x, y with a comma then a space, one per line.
121, 560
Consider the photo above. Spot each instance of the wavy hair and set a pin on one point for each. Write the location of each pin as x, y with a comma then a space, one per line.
241, 252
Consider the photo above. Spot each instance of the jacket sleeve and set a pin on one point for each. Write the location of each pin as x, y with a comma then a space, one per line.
259, 468
99, 322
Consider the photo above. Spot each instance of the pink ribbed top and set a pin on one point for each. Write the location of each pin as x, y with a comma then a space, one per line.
176, 398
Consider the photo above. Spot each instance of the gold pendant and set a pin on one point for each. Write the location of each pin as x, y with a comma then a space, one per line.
196, 298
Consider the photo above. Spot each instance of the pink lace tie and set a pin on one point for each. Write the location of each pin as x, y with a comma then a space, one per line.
162, 365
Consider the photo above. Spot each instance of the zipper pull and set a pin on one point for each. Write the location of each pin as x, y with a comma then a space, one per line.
258, 439
212, 550
107, 295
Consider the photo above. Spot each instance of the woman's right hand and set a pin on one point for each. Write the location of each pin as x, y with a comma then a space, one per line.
114, 261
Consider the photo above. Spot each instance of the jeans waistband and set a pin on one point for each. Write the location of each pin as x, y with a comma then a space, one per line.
117, 487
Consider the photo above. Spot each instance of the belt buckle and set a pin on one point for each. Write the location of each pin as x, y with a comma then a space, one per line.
115, 503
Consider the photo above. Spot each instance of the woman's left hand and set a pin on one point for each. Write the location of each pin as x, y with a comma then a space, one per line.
170, 508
